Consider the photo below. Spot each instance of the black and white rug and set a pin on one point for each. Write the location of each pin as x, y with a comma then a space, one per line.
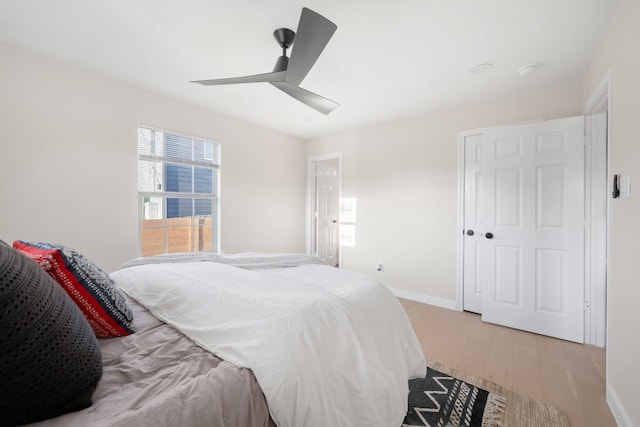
441, 400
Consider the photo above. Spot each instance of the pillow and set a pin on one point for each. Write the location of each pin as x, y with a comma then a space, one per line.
93, 291
50, 362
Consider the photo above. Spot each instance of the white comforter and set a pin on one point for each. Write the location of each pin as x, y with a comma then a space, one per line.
328, 347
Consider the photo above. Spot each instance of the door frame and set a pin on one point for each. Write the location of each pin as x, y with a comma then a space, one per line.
311, 194
595, 309
597, 292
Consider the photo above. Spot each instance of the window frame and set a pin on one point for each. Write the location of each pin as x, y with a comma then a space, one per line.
214, 197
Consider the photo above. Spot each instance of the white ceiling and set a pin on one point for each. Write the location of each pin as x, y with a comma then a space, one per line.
388, 59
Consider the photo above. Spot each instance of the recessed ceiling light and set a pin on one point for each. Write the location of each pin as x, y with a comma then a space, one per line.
525, 70
481, 68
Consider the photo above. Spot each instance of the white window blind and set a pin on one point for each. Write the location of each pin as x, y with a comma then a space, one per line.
178, 192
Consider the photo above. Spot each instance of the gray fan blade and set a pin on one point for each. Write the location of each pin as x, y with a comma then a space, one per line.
313, 34
257, 78
317, 102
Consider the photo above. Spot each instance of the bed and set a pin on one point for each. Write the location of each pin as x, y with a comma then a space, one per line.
253, 340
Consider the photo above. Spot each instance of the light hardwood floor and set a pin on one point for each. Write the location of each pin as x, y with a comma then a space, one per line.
565, 374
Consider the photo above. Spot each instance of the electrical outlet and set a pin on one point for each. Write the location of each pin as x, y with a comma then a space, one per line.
380, 267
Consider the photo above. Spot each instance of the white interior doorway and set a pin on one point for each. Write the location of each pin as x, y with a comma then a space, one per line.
323, 208
595, 224
526, 230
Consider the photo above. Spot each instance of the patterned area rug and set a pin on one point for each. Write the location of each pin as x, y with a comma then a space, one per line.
448, 398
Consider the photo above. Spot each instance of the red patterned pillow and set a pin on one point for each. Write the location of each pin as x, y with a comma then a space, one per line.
93, 291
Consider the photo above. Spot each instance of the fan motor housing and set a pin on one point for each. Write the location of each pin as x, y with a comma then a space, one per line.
281, 64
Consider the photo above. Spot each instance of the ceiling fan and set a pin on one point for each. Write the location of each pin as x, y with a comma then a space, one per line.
314, 32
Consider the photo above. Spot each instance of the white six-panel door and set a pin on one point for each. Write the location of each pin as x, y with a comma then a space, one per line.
473, 223
327, 211
529, 244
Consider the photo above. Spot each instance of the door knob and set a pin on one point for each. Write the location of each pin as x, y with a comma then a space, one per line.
469, 232
488, 235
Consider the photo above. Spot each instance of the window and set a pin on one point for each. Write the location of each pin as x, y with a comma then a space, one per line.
177, 192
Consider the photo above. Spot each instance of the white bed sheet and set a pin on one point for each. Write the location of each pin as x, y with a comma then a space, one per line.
328, 347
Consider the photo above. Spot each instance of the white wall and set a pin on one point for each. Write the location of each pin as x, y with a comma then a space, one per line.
68, 163
619, 52
404, 177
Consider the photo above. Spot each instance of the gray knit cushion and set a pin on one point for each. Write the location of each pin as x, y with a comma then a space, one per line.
50, 362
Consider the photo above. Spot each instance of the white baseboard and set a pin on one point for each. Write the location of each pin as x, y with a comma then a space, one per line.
423, 298
622, 419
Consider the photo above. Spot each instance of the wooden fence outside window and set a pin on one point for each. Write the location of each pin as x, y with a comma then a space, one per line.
173, 235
